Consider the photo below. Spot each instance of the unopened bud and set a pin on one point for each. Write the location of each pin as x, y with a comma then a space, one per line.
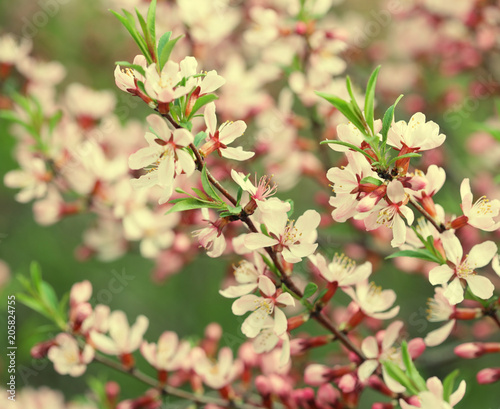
488, 375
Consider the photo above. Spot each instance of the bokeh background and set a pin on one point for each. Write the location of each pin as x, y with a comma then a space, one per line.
87, 40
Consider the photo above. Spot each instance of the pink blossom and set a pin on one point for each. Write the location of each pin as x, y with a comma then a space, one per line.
417, 135
440, 309
165, 155
67, 357
377, 352
463, 269
433, 397
294, 240
32, 179
483, 214
123, 338
262, 307
164, 86
168, 354
247, 276
373, 301
218, 139
341, 270
220, 373
392, 214
126, 78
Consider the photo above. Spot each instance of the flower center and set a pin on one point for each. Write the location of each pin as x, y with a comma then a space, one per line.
386, 216
465, 269
291, 234
482, 207
342, 265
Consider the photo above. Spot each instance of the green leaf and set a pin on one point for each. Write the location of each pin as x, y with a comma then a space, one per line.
135, 67
36, 276
11, 116
271, 265
49, 296
423, 254
63, 305
448, 385
292, 207
207, 186
35, 305
199, 138
370, 97
201, 101
320, 295
167, 50
407, 155
355, 148
387, 121
164, 39
395, 372
231, 211
152, 22
371, 179
239, 195
129, 24
151, 46
54, 120
310, 289
354, 104
190, 204
411, 369
201, 194
345, 108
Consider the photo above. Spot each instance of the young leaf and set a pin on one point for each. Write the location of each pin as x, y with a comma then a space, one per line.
354, 103
36, 276
167, 50
411, 368
207, 186
370, 97
310, 289
371, 179
164, 39
201, 101
448, 385
292, 207
191, 203
199, 138
387, 121
32, 303
395, 372
355, 148
407, 155
151, 18
345, 108
49, 296
128, 23
423, 254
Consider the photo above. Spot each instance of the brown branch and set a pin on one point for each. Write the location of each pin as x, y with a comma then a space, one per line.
170, 390
244, 217
440, 227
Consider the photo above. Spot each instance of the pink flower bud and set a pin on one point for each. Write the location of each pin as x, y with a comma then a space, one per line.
382, 405
348, 383
316, 375
41, 349
488, 375
416, 347
263, 386
327, 394
471, 350
112, 390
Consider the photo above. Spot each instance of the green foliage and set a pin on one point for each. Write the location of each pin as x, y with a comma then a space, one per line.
310, 289
41, 297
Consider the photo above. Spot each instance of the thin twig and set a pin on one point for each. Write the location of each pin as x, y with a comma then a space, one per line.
440, 227
170, 390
